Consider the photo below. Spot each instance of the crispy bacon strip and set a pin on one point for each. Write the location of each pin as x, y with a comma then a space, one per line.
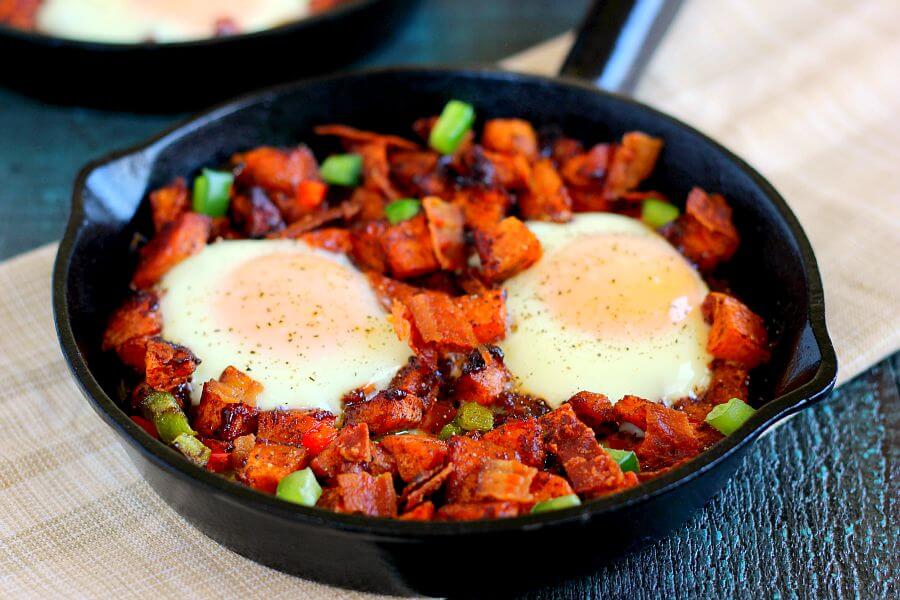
505, 480
354, 136
446, 225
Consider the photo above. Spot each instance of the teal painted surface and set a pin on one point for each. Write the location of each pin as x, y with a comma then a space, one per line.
812, 513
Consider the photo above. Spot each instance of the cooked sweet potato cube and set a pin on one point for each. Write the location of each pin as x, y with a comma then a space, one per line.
373, 496
486, 312
168, 365
632, 409
367, 251
246, 387
546, 485
510, 136
484, 377
267, 464
505, 480
564, 148
521, 436
241, 448
446, 225
584, 170
408, 248
238, 420
352, 446
736, 332
467, 456
296, 426
705, 233
439, 321
215, 398
483, 208
419, 378
632, 161
168, 203
135, 321
133, 353
415, 454
728, 379
668, 438
254, 214
20, 14
507, 249
418, 173
546, 198
178, 240
333, 239
475, 511
594, 410
387, 411
437, 414
276, 169
423, 512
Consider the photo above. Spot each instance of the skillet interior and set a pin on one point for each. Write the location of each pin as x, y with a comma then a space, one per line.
774, 271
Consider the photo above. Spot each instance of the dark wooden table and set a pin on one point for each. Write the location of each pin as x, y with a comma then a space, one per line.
812, 513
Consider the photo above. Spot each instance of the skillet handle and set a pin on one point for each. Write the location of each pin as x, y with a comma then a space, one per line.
616, 39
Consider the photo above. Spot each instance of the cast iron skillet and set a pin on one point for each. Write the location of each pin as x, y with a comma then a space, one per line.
190, 75
774, 271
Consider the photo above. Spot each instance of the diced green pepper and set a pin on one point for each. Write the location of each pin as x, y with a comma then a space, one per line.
557, 503
212, 192
475, 417
657, 213
192, 448
342, 169
626, 458
449, 430
402, 210
300, 487
451, 127
728, 417
161, 409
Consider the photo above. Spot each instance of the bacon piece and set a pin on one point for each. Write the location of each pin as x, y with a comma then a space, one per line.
737, 333
486, 312
376, 170
587, 169
594, 410
446, 225
226, 406
523, 437
546, 485
507, 249
129, 328
513, 405
254, 214
168, 365
353, 137
467, 456
387, 411
505, 480
267, 464
588, 467
728, 380
705, 233
415, 454
178, 240
632, 409
426, 485
408, 248
632, 161
436, 415
423, 512
350, 450
306, 223
367, 252
482, 208
333, 239
668, 438
475, 511
484, 377
563, 148
419, 378
276, 169
373, 496
547, 198
510, 136
439, 321
168, 203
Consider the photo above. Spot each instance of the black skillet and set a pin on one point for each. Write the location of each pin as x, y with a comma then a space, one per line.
774, 271
190, 75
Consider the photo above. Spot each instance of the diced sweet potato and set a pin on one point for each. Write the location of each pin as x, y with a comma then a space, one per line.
215, 398
254, 214
351, 447
295, 426
267, 464
246, 388
238, 420
20, 14
507, 249
736, 332
373, 496
633, 161
547, 198
168, 365
510, 136
418, 173
168, 203
523, 437
367, 251
668, 438
594, 410
439, 321
484, 377
514, 405
333, 239
564, 148
178, 240
475, 511
446, 225
486, 312
587, 169
467, 456
408, 248
483, 208
415, 454
437, 414
131, 326
546, 485
387, 411
276, 169
353, 137
705, 233
241, 448
505, 480
423, 512
728, 380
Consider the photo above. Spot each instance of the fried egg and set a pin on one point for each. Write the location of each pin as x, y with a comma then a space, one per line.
302, 321
611, 307
133, 21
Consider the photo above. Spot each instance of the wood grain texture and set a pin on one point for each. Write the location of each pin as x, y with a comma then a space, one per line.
812, 513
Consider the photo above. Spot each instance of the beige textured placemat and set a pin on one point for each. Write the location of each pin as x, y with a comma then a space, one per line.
807, 91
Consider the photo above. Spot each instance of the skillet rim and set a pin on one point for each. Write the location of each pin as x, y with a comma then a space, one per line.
292, 27
166, 458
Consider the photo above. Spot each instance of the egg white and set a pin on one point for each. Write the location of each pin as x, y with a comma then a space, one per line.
553, 358
303, 322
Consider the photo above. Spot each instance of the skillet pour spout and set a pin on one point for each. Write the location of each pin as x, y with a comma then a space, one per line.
774, 270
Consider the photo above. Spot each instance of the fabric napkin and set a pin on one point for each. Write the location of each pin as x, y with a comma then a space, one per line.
805, 90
